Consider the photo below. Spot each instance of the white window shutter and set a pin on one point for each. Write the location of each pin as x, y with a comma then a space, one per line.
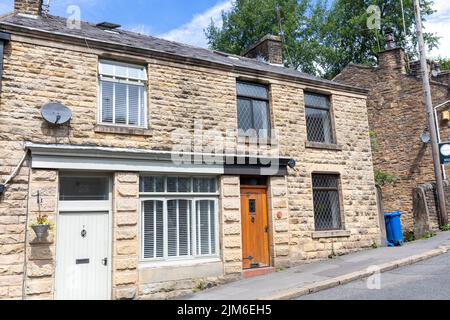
153, 229
121, 103
107, 100
133, 102
205, 227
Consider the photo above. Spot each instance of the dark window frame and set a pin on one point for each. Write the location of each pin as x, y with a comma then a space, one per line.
337, 190
251, 99
329, 109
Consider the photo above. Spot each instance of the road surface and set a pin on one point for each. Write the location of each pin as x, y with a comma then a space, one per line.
426, 280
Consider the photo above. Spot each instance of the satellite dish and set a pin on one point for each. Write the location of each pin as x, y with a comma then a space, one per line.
56, 113
425, 138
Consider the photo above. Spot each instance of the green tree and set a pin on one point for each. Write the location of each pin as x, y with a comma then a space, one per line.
445, 64
321, 36
250, 20
349, 39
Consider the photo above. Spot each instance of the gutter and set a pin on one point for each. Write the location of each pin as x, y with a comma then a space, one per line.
123, 48
4, 39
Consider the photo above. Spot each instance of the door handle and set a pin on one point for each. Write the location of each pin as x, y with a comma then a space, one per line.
105, 262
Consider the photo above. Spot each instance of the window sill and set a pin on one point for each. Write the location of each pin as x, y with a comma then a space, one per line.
323, 146
176, 263
331, 234
122, 130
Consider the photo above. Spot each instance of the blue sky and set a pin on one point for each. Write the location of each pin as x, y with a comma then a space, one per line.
185, 20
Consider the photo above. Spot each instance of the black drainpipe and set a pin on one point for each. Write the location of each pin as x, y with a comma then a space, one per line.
4, 38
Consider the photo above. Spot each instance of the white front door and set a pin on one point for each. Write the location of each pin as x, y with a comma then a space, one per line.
83, 240
82, 256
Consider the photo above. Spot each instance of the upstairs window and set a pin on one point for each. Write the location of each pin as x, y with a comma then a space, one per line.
123, 98
318, 118
253, 109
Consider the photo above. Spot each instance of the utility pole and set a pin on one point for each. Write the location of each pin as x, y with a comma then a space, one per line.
430, 117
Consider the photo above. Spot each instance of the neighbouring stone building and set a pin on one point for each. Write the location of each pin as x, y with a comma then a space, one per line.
140, 210
397, 119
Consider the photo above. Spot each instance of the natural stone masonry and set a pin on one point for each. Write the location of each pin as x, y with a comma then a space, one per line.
179, 95
125, 235
279, 221
425, 207
41, 256
397, 117
231, 233
352, 160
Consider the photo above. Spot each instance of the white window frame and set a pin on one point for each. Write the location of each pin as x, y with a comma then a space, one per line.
114, 78
194, 198
193, 228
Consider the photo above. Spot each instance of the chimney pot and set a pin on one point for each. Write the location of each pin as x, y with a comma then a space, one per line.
28, 7
390, 41
270, 48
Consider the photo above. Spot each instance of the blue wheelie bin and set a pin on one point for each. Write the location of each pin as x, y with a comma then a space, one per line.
394, 231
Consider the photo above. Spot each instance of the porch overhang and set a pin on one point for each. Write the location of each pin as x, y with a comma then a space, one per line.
92, 158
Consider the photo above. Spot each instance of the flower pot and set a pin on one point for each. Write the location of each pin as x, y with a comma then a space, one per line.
41, 231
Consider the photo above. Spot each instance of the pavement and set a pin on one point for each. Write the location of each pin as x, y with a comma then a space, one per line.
426, 280
312, 278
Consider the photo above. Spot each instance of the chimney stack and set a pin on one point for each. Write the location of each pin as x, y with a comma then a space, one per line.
269, 48
28, 7
393, 58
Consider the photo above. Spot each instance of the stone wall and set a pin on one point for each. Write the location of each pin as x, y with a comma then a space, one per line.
397, 117
350, 158
43, 201
231, 232
426, 208
279, 221
125, 236
37, 72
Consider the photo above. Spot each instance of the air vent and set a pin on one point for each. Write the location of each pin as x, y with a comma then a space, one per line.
108, 25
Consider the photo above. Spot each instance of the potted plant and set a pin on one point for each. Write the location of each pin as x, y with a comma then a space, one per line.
41, 226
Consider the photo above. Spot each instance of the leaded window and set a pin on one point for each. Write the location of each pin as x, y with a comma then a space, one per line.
253, 109
327, 209
318, 118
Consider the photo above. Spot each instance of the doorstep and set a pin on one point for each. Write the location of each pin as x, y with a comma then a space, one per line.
257, 272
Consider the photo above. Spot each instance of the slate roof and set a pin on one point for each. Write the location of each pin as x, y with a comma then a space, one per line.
58, 25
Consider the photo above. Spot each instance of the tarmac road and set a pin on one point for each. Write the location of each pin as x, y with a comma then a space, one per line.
426, 280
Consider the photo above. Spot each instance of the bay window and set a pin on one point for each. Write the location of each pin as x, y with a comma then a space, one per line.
179, 217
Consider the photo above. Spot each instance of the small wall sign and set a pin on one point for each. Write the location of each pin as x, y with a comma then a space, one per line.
444, 150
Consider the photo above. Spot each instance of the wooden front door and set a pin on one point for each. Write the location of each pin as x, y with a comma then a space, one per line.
255, 228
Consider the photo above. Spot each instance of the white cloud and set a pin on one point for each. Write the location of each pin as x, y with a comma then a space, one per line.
439, 23
193, 32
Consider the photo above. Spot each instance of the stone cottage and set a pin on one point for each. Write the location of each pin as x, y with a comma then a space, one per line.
397, 120
142, 153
